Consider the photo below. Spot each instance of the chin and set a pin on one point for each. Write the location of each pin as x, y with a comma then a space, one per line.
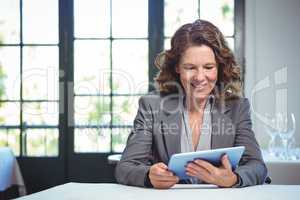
198, 95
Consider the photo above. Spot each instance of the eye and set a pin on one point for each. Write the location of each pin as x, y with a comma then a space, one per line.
189, 67
209, 67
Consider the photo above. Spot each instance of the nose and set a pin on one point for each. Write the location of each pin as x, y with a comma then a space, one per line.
200, 75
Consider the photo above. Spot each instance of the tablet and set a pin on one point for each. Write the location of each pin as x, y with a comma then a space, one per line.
178, 162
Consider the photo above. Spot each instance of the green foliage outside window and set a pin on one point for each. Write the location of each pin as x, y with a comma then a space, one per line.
102, 109
2, 92
2, 85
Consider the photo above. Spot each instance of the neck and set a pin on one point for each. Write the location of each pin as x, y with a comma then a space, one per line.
196, 105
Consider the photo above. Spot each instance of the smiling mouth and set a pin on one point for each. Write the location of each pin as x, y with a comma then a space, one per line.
198, 87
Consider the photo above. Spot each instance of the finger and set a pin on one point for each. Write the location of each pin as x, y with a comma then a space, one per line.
206, 165
193, 171
201, 174
162, 172
191, 174
197, 168
164, 185
164, 169
161, 169
162, 165
165, 178
174, 179
195, 174
226, 162
199, 171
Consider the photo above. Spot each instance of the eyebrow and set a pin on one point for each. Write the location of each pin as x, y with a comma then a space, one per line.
191, 64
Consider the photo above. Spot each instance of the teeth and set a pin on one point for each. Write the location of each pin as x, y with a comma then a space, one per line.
197, 86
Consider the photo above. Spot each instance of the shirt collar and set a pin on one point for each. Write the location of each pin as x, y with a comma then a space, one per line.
210, 99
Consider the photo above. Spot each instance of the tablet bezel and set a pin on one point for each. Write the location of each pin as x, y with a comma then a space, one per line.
178, 162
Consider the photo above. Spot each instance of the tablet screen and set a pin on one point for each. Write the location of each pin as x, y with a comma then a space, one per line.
178, 162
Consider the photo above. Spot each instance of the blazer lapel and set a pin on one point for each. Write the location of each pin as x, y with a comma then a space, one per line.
223, 130
170, 125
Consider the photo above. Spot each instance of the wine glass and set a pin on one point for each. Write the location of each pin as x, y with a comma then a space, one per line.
285, 132
294, 151
270, 128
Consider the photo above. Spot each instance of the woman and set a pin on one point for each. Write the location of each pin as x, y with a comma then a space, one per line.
197, 107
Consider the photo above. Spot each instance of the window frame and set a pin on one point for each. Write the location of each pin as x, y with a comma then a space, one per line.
92, 167
22, 127
66, 65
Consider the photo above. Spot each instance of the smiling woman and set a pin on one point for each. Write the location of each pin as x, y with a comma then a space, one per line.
198, 71
197, 107
214, 51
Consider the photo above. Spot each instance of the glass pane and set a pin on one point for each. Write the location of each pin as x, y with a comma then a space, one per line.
220, 13
9, 113
92, 67
92, 110
45, 113
40, 21
167, 44
40, 73
11, 138
41, 142
177, 13
124, 109
92, 140
130, 18
9, 73
130, 66
119, 138
230, 42
9, 21
92, 18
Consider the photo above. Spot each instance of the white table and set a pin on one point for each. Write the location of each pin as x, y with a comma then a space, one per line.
77, 191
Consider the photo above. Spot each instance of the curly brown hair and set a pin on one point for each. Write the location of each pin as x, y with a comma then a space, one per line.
199, 33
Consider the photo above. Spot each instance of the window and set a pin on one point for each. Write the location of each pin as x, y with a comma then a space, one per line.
109, 45
220, 13
110, 69
29, 77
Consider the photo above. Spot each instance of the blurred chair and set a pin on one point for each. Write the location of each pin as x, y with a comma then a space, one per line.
10, 173
6, 168
114, 159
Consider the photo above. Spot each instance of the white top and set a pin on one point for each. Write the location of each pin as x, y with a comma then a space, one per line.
204, 143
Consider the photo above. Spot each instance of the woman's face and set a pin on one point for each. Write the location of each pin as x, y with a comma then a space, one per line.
198, 71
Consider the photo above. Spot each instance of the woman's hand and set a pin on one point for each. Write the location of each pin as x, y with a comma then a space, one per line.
160, 177
222, 176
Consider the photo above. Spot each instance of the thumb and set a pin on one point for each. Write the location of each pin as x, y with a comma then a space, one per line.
226, 162
162, 165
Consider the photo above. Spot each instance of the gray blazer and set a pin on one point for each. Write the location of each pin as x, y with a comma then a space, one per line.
156, 136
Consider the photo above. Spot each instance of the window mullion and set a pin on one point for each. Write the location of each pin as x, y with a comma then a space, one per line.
155, 34
239, 35
66, 99
22, 149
